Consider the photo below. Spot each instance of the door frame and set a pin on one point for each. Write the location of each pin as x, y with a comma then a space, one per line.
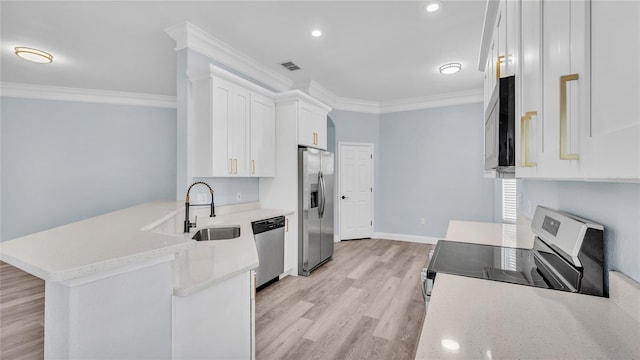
337, 237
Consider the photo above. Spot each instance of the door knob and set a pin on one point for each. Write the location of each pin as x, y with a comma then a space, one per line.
344, 197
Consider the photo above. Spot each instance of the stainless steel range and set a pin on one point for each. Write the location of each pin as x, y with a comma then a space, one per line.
567, 255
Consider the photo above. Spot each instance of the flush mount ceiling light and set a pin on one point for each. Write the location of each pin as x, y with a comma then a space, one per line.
34, 55
450, 68
316, 33
433, 6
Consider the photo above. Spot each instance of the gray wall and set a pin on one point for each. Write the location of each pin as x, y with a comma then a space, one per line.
358, 128
614, 205
431, 166
66, 161
427, 163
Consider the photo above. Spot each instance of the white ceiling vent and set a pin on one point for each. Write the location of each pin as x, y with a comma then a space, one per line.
289, 65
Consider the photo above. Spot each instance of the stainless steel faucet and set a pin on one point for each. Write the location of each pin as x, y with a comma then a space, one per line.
188, 224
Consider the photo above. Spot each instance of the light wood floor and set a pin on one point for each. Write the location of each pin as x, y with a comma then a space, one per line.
21, 314
364, 304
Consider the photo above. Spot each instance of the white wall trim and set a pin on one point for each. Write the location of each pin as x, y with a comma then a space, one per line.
190, 36
381, 107
46, 92
405, 237
426, 102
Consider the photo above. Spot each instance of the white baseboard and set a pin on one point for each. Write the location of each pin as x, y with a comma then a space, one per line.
404, 237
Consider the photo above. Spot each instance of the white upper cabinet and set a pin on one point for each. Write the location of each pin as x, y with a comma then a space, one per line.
501, 47
565, 112
578, 80
612, 141
312, 126
238, 131
232, 120
263, 135
529, 116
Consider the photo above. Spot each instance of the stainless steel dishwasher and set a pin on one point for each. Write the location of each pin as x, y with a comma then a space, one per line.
269, 236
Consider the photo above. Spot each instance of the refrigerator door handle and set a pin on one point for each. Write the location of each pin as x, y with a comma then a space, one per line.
322, 195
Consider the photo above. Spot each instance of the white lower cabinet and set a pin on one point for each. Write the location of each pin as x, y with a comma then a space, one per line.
217, 322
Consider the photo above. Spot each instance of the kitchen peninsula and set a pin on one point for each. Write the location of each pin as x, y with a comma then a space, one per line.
113, 282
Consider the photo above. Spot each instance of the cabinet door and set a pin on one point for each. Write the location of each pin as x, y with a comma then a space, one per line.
263, 136
613, 138
312, 126
306, 128
565, 88
529, 121
511, 36
239, 128
501, 39
319, 119
222, 99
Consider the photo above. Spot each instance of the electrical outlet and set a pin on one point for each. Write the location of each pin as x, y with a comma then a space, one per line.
422, 221
238, 196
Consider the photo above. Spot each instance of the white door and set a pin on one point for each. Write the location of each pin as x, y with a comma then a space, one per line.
356, 191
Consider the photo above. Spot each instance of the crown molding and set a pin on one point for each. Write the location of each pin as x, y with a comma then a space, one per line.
375, 107
339, 103
190, 36
433, 101
212, 70
46, 92
293, 95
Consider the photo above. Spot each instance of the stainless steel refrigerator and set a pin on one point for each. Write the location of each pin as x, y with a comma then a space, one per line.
315, 208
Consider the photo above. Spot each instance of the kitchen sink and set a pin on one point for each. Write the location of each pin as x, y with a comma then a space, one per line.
217, 233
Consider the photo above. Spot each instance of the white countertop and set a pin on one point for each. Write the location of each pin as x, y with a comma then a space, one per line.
138, 234
94, 245
476, 318
509, 235
210, 262
494, 320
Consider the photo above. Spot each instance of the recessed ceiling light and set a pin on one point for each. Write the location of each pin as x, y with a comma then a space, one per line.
316, 33
450, 68
433, 6
34, 55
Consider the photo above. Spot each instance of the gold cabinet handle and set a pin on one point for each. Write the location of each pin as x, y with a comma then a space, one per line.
230, 166
498, 62
524, 139
563, 117
253, 167
235, 161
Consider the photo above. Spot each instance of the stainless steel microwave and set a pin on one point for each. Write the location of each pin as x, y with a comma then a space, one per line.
500, 128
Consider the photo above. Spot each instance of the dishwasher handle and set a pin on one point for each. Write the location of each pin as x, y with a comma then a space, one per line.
267, 225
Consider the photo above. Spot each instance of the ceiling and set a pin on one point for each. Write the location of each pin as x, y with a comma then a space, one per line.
370, 50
